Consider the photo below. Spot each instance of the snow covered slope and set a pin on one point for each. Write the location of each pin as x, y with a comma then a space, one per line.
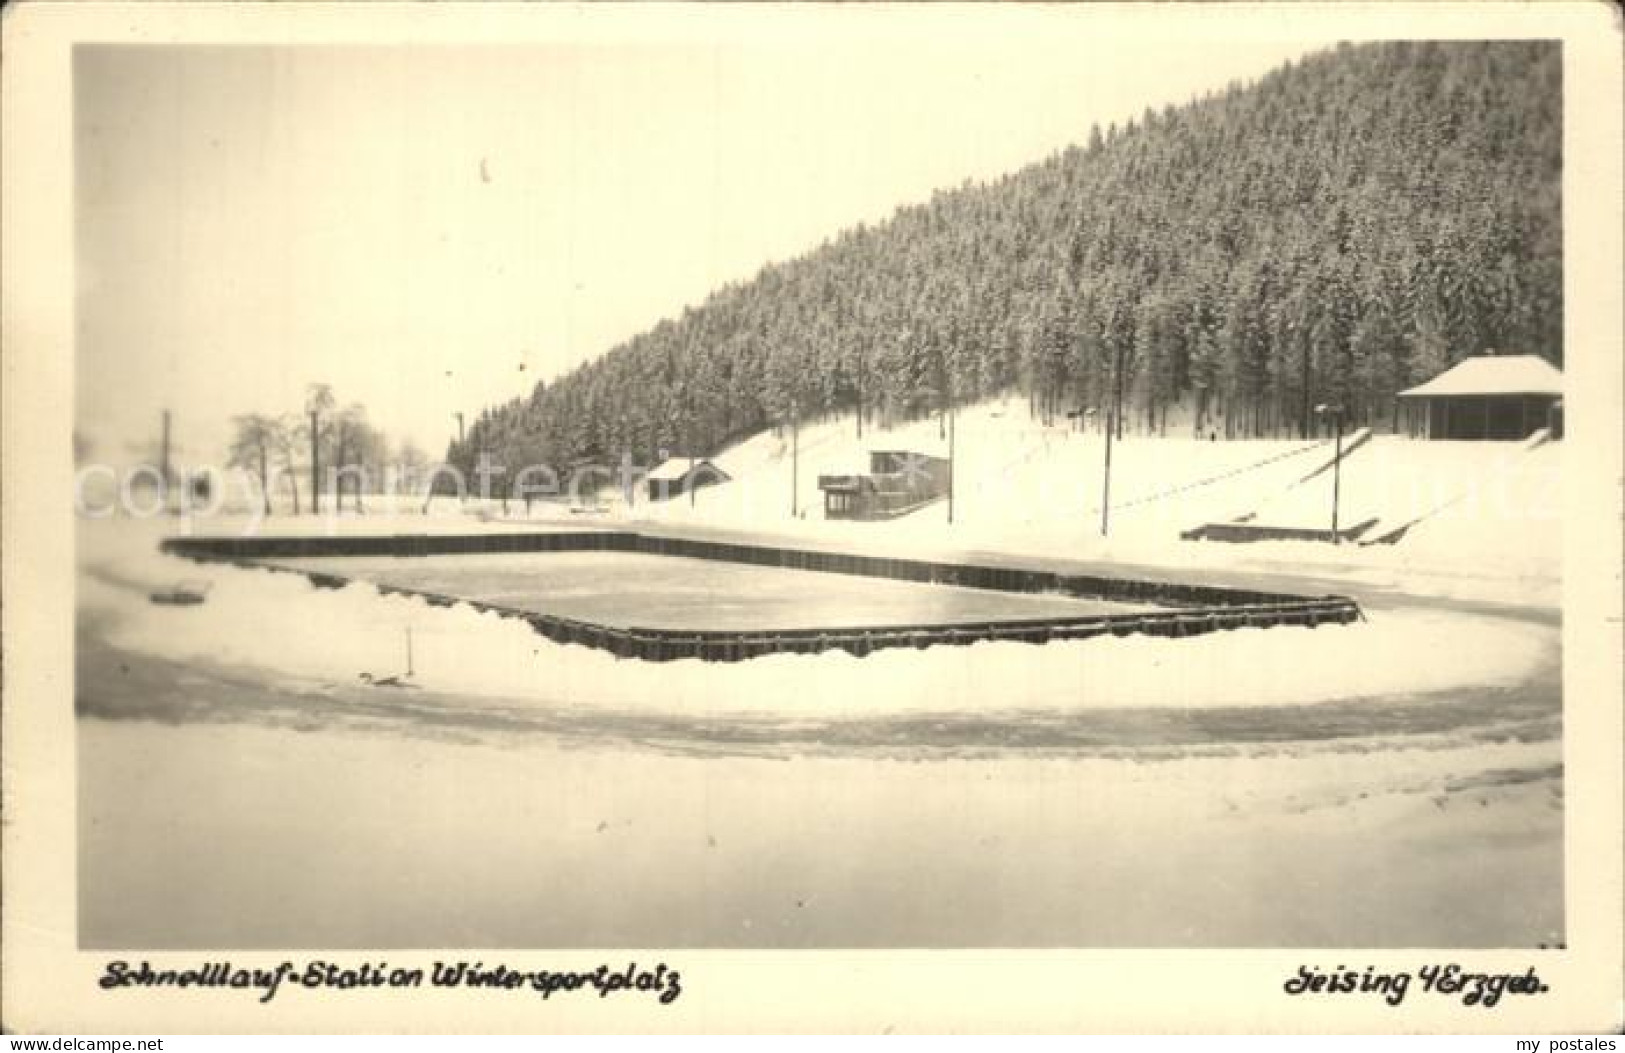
1011, 473
1020, 485
1482, 495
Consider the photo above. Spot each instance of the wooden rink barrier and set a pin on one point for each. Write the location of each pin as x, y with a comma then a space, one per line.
1192, 610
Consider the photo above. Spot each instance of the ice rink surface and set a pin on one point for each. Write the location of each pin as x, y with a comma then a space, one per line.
670, 592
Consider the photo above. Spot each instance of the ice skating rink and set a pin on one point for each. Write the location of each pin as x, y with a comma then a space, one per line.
669, 592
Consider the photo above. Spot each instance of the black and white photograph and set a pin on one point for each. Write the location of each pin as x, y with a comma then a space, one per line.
1008, 478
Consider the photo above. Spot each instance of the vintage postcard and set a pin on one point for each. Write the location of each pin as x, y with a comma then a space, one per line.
804, 518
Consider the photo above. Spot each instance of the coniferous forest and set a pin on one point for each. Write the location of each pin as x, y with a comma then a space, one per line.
1343, 228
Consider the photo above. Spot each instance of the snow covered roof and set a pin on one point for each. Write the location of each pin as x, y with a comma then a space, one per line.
1494, 375
675, 468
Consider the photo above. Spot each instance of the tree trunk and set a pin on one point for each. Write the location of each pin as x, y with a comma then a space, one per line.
1307, 397
265, 481
315, 465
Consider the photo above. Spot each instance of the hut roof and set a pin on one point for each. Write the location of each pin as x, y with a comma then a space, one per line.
1493, 375
675, 468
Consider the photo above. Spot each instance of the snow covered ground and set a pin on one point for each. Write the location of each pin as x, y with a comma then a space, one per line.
1396, 782
1478, 496
293, 836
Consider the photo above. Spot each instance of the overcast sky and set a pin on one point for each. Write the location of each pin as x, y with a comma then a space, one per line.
433, 229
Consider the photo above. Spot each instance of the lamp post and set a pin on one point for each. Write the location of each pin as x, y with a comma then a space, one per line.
1106, 480
164, 471
1113, 422
1336, 414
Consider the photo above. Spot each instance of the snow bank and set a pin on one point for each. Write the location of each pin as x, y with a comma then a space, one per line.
294, 631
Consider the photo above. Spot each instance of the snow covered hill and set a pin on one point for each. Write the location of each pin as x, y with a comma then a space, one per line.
1020, 485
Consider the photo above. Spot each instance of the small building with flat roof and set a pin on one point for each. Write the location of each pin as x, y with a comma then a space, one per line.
898, 482
1504, 397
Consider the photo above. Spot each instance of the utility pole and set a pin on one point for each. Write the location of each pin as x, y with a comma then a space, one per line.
795, 455
1117, 392
1106, 487
1111, 432
163, 454
1308, 395
1336, 413
1337, 478
951, 417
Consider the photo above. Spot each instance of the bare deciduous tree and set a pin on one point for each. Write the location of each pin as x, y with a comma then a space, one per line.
256, 437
